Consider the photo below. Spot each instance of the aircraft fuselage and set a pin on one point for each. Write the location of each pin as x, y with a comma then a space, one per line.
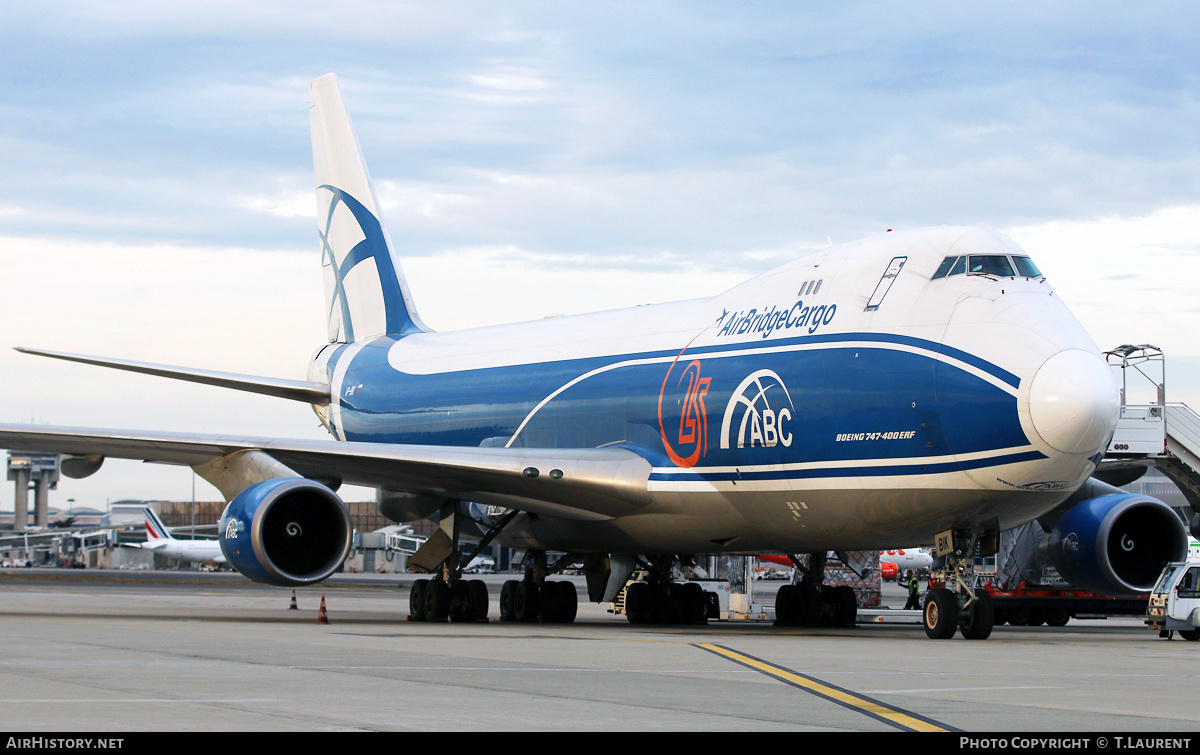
849, 399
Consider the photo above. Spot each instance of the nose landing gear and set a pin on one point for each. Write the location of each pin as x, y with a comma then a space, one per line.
959, 605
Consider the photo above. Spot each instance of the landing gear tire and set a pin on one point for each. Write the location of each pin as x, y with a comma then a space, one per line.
692, 607
479, 600
829, 606
660, 604
416, 600
437, 600
941, 614
527, 603
560, 602
460, 602
667, 603
810, 605
977, 623
568, 602
637, 603
847, 606
804, 605
508, 594
787, 606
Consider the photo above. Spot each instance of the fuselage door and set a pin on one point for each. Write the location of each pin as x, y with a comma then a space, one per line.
885, 283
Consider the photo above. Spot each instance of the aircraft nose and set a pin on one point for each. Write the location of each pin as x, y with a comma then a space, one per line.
1073, 402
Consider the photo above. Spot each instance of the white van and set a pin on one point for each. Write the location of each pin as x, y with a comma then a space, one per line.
1175, 601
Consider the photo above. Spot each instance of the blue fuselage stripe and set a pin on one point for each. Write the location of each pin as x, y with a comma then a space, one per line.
896, 470
824, 398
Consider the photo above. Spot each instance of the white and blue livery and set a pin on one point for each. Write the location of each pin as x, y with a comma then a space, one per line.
919, 386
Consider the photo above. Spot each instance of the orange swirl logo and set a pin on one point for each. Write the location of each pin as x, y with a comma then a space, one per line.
692, 436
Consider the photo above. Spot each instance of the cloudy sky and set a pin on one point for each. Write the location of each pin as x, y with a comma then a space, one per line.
547, 157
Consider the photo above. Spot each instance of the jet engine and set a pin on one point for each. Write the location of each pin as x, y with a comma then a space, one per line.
286, 531
1116, 544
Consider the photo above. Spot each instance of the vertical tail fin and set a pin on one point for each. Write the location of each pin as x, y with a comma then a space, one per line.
365, 292
155, 529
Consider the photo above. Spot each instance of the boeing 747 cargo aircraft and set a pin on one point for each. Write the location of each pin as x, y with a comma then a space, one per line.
920, 386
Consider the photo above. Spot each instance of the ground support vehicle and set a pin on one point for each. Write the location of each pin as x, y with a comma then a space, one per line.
1027, 590
1055, 606
1174, 604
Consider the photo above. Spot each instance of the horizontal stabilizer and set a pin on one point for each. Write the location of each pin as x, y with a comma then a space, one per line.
297, 390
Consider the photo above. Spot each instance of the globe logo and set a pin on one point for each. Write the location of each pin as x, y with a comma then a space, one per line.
762, 411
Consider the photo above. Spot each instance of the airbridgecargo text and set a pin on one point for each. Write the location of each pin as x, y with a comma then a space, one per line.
62, 743
767, 321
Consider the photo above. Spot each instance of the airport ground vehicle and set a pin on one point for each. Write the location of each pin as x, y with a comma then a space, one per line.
1027, 590
1175, 601
1056, 605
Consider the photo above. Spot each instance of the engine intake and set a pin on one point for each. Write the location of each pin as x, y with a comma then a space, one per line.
287, 531
1117, 544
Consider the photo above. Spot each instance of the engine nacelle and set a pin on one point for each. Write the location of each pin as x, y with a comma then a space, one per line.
79, 467
407, 507
287, 531
1117, 544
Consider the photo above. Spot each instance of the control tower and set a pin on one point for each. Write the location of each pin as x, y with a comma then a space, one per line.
40, 470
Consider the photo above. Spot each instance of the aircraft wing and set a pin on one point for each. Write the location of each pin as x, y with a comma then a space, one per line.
588, 483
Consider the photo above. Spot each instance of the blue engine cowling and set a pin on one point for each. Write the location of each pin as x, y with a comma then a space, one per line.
288, 531
1117, 544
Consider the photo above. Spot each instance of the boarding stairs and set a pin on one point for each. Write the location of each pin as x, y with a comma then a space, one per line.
1158, 433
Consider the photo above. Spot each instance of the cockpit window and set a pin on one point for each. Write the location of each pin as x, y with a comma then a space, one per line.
991, 264
1026, 267
951, 266
988, 264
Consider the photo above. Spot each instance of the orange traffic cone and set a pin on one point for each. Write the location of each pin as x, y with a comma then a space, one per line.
293, 606
322, 617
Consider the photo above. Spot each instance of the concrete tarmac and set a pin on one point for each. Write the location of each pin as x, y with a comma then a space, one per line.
125, 652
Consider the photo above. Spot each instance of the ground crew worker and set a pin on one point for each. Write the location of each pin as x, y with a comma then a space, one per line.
914, 591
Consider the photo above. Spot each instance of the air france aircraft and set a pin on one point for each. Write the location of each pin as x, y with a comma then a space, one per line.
920, 386
160, 540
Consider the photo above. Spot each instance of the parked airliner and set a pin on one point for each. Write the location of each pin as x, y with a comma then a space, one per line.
897, 561
918, 386
160, 540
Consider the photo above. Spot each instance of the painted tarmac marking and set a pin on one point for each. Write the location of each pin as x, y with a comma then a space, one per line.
888, 714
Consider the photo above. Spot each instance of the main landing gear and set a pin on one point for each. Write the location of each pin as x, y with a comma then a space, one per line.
455, 600
448, 596
958, 605
659, 599
809, 603
537, 599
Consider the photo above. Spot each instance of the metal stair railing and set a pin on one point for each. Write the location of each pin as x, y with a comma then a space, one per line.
1183, 441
